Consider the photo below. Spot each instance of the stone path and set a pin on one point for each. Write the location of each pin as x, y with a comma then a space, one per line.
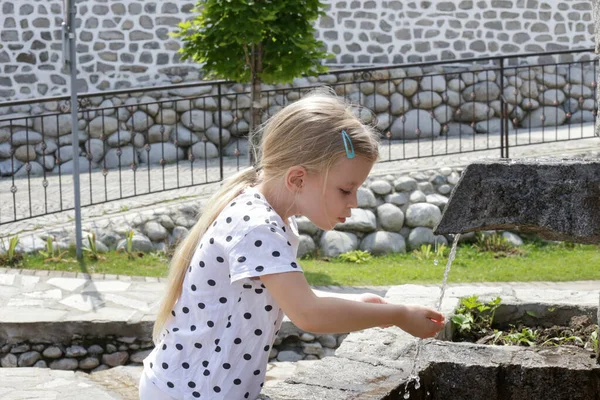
33, 199
44, 305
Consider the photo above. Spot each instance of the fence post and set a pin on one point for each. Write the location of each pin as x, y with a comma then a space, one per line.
503, 116
220, 111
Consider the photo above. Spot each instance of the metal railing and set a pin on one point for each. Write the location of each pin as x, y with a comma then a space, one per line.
179, 136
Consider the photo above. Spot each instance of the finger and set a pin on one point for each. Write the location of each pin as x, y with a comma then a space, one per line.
434, 315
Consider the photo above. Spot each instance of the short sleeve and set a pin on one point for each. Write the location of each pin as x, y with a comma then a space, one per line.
263, 250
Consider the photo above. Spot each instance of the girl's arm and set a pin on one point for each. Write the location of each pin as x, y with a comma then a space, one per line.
335, 315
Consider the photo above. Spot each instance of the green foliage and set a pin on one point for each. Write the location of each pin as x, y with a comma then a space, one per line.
356, 256
53, 252
11, 257
226, 36
526, 336
472, 316
128, 249
593, 342
496, 244
92, 249
425, 252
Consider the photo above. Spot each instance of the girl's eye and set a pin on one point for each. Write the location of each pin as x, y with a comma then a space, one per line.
345, 192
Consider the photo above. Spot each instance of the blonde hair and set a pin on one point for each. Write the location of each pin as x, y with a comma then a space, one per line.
307, 133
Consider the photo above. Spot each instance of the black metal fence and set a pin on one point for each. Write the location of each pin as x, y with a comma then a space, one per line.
144, 141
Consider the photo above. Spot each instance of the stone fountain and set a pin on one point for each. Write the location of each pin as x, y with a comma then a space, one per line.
555, 199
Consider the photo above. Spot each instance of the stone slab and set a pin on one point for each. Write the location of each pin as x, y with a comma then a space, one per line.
556, 199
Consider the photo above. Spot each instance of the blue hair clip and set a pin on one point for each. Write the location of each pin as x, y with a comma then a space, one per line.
348, 141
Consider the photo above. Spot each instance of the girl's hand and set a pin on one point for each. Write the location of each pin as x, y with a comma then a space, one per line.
373, 298
422, 321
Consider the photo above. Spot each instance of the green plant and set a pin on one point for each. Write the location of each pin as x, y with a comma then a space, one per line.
526, 336
53, 252
128, 249
92, 248
11, 257
356, 256
423, 253
496, 244
472, 316
442, 251
124, 208
254, 41
593, 342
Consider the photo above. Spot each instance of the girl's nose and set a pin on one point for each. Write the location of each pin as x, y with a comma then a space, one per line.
353, 201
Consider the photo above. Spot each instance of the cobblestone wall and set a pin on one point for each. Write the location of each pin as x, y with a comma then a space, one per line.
126, 44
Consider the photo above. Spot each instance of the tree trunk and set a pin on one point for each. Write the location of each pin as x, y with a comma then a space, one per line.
255, 93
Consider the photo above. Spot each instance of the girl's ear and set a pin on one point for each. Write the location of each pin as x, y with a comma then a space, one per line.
295, 178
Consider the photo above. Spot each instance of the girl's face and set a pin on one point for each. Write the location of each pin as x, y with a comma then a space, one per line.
327, 203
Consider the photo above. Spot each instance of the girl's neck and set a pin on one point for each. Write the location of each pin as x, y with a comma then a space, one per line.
278, 197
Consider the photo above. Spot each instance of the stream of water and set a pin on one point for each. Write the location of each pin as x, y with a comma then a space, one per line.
414, 376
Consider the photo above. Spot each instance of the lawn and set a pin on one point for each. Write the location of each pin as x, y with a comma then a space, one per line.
535, 262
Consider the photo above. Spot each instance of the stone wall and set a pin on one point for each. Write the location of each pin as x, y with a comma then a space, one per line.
405, 104
126, 44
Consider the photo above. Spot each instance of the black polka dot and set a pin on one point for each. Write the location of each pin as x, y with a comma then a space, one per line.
211, 282
191, 384
260, 268
206, 372
210, 324
198, 345
273, 230
269, 209
217, 341
193, 328
289, 244
151, 365
185, 365
217, 389
223, 300
258, 243
196, 394
247, 315
268, 308
179, 347
228, 325
257, 196
190, 268
220, 259
266, 221
228, 220
164, 347
202, 264
218, 349
276, 254
247, 357
205, 364
262, 384
185, 310
201, 306
258, 291
193, 288
262, 285
232, 204
175, 329
258, 332
257, 372
228, 238
226, 365
241, 259
246, 395
247, 286
173, 313
237, 341
283, 228
215, 223
267, 348
165, 366
237, 381
170, 384
249, 203
212, 241
246, 218
294, 265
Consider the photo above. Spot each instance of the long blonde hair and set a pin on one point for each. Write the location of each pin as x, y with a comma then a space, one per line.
307, 133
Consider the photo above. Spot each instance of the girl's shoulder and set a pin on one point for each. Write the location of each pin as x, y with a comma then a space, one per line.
245, 213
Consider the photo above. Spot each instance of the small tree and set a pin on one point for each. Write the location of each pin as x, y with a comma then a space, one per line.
254, 41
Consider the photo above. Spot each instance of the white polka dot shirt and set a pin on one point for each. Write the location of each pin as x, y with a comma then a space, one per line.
216, 344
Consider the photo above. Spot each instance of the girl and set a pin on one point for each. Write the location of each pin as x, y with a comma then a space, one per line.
235, 275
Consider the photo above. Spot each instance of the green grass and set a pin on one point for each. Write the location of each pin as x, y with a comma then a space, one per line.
555, 262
